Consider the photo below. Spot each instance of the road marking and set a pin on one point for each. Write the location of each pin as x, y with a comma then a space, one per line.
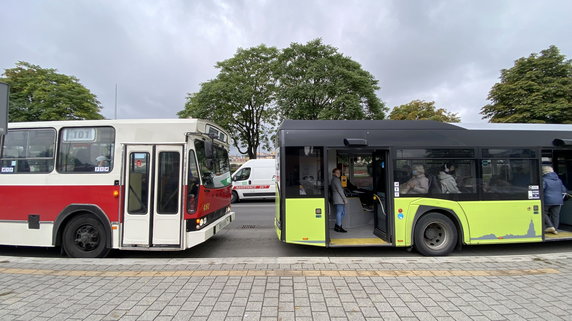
265, 273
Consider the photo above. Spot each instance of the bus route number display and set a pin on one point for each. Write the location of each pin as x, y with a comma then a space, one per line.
79, 135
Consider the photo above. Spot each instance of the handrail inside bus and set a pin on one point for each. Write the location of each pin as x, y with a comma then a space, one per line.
380, 204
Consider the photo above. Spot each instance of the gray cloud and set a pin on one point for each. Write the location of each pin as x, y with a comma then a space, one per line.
158, 51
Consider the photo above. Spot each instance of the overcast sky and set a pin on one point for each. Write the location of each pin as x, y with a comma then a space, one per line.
157, 52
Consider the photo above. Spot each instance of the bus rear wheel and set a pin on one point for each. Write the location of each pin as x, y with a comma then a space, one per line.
85, 237
234, 197
435, 235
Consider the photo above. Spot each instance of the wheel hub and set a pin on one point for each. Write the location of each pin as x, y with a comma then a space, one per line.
434, 235
87, 238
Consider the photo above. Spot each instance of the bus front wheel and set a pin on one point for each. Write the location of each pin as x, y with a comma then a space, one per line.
85, 237
435, 235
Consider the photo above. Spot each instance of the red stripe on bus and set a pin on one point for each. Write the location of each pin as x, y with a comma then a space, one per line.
17, 202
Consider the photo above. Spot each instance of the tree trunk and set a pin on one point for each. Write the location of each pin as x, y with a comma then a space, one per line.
252, 152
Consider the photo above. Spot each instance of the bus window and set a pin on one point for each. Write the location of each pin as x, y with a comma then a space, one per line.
215, 172
441, 178
304, 172
86, 150
28, 151
508, 178
193, 184
168, 188
508, 174
138, 183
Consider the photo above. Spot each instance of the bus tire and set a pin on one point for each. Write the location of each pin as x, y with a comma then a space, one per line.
234, 198
84, 237
435, 235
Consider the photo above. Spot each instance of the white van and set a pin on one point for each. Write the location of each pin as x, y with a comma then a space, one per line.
255, 179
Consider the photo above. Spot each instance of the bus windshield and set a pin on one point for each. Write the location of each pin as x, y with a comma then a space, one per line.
215, 171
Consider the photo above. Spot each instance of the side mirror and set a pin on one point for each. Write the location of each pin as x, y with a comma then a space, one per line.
209, 162
208, 149
234, 178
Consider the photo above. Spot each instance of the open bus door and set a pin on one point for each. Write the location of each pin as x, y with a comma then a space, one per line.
365, 181
562, 164
382, 192
152, 211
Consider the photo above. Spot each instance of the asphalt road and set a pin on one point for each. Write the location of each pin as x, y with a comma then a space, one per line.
252, 235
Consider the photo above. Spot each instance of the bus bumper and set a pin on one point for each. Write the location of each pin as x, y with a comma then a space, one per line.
197, 237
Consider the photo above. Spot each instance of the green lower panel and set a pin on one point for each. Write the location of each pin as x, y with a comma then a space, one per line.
504, 221
482, 222
306, 221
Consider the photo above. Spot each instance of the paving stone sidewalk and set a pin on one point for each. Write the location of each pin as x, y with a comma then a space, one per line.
535, 287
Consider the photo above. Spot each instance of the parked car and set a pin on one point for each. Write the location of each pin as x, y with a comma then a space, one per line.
255, 179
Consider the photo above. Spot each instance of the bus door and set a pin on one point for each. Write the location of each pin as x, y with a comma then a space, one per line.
153, 195
562, 163
382, 192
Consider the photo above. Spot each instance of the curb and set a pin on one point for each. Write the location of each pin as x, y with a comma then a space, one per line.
289, 260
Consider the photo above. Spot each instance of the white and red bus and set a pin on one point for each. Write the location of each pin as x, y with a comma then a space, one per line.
92, 186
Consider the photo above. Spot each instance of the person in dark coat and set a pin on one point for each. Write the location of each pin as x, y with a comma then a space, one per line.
554, 192
338, 199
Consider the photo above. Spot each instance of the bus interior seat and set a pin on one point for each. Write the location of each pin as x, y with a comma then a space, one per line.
434, 183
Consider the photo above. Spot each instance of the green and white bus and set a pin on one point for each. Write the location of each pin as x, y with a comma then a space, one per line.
497, 197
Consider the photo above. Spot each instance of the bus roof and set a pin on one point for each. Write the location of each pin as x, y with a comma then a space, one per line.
367, 124
415, 125
101, 122
160, 127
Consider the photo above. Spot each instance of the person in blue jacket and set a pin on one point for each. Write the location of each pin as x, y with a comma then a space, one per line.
554, 192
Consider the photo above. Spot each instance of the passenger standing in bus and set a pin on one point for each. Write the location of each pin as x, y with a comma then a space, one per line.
554, 192
338, 199
447, 180
418, 184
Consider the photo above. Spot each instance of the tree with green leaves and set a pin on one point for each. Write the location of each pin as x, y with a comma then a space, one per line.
419, 109
317, 82
537, 89
240, 98
39, 94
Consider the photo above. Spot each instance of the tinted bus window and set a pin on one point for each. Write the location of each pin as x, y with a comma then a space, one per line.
215, 171
193, 184
168, 185
509, 153
440, 178
28, 151
304, 172
138, 189
509, 178
435, 153
86, 150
